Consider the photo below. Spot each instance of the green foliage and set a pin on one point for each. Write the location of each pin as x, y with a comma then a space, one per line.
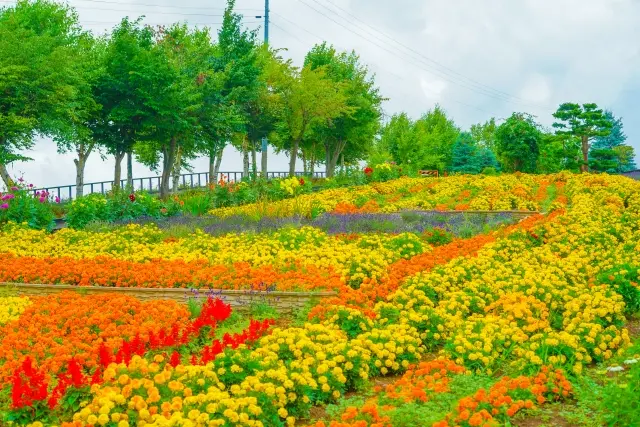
39, 76
437, 237
426, 143
584, 122
485, 134
19, 205
517, 143
464, 155
351, 133
625, 280
603, 160
118, 206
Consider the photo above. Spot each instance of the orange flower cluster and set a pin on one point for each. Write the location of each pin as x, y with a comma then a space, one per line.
349, 208
367, 416
433, 376
105, 271
56, 328
506, 398
483, 409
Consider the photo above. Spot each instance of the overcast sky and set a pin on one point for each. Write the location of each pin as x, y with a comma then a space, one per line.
476, 58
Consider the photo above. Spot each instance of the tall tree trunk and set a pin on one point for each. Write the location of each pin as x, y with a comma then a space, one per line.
304, 162
245, 157
254, 162
584, 167
8, 182
81, 162
212, 174
168, 160
176, 170
312, 163
117, 175
130, 170
333, 157
216, 169
293, 157
264, 160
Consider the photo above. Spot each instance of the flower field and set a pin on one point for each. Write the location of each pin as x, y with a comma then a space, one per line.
426, 327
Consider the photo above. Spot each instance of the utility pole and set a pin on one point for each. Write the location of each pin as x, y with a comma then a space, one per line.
265, 143
266, 21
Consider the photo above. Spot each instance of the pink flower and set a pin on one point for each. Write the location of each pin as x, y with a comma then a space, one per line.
14, 189
57, 199
30, 185
8, 197
42, 199
4, 206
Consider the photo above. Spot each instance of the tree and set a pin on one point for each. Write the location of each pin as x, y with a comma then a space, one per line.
585, 122
484, 133
84, 115
264, 110
395, 136
307, 97
434, 136
351, 134
616, 141
464, 154
39, 75
603, 160
124, 91
625, 156
238, 58
615, 138
486, 158
179, 58
557, 153
517, 143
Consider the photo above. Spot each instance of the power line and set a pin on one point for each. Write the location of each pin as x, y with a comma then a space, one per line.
440, 73
149, 5
420, 54
375, 66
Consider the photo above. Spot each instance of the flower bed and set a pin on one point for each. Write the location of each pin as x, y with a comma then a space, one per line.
543, 299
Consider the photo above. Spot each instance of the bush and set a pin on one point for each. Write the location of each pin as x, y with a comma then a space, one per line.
489, 171
120, 206
20, 205
437, 237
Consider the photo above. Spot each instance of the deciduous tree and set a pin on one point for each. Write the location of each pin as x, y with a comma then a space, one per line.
39, 75
517, 143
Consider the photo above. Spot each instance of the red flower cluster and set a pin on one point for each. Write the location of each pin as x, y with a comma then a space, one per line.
368, 171
30, 385
132, 197
301, 181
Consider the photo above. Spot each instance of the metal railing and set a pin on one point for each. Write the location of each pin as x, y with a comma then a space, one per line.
152, 183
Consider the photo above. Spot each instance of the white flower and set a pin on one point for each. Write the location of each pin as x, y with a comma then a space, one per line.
631, 361
615, 369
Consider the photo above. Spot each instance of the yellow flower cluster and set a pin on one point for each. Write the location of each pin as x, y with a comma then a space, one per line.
355, 259
477, 192
12, 307
290, 185
249, 387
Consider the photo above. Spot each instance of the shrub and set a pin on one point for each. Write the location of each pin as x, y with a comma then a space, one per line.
20, 205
